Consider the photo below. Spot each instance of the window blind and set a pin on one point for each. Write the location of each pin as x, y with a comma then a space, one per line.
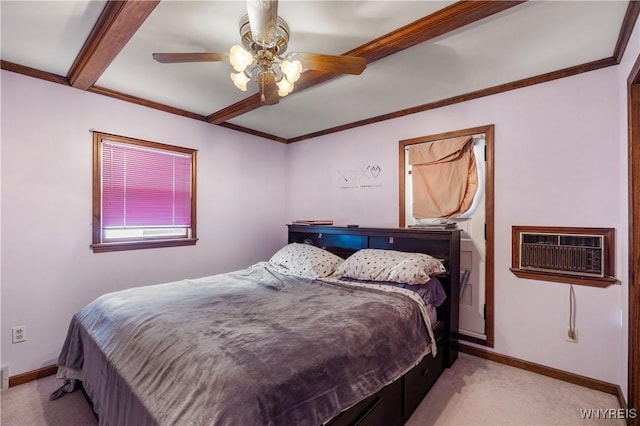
145, 187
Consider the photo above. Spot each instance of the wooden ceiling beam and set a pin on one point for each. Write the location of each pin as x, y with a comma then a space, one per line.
239, 108
449, 19
438, 23
630, 18
118, 22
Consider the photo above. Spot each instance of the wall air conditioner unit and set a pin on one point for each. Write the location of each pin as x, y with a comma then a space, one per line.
568, 254
561, 254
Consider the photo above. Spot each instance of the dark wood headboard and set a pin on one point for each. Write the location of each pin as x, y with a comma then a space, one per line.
441, 244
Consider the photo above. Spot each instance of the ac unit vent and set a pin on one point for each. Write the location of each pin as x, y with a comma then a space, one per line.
565, 253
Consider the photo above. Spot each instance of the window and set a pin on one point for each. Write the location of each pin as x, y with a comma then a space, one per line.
144, 194
444, 178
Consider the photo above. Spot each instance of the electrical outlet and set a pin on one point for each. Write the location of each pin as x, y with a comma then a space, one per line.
19, 334
571, 335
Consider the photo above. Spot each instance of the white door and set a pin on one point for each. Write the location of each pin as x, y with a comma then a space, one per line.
472, 293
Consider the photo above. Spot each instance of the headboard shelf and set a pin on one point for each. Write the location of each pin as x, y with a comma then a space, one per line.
442, 244
413, 232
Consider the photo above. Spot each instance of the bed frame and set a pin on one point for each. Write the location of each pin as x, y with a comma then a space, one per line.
394, 404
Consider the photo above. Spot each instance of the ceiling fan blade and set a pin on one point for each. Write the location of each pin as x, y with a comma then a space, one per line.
263, 20
268, 88
173, 58
332, 63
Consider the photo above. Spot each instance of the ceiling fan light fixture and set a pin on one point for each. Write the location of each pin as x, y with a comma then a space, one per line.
261, 55
240, 80
284, 87
291, 69
240, 58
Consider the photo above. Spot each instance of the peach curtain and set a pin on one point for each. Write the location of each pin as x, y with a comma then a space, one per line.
444, 177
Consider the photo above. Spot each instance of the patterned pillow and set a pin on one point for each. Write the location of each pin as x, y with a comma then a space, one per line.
305, 260
390, 265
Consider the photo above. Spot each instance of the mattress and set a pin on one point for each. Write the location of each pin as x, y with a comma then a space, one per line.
248, 347
428, 293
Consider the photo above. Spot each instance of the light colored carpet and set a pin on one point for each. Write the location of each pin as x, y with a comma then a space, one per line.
480, 392
473, 392
29, 405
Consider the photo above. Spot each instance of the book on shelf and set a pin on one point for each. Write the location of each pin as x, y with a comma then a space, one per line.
313, 222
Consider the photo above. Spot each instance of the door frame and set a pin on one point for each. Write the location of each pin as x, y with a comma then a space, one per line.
489, 131
633, 112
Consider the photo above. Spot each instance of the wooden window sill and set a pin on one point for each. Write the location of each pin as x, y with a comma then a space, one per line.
564, 278
137, 245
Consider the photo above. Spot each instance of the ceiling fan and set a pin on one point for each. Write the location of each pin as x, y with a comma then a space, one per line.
265, 36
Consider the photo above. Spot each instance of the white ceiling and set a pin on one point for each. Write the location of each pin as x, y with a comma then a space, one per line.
527, 40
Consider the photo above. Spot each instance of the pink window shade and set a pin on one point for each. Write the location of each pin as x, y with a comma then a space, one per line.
145, 187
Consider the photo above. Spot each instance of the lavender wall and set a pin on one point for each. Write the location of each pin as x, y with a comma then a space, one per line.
558, 151
48, 269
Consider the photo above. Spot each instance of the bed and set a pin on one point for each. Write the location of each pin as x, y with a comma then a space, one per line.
288, 341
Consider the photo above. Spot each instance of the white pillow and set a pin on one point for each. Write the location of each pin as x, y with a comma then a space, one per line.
390, 265
305, 260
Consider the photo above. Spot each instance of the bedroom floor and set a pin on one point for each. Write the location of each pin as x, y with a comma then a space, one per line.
478, 392
473, 392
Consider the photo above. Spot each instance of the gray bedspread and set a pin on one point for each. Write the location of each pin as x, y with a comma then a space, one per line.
251, 347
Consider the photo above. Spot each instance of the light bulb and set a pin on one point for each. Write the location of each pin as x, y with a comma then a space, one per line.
284, 87
240, 80
240, 58
292, 70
